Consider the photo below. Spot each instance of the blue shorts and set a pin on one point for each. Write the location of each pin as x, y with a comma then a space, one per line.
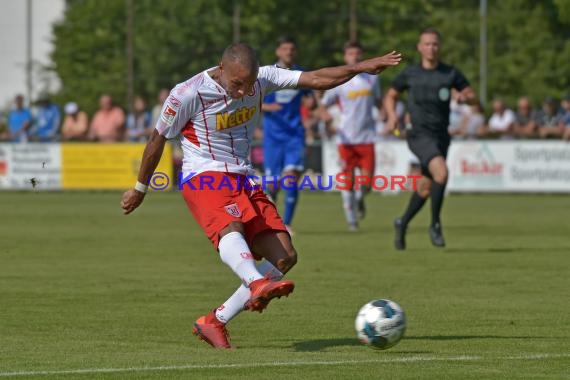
283, 156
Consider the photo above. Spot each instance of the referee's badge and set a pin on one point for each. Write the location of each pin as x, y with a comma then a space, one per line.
443, 94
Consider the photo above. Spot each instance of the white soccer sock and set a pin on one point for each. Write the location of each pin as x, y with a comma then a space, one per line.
234, 305
235, 252
269, 271
348, 205
358, 195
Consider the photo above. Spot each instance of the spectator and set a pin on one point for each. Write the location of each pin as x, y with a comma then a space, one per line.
162, 95
501, 123
4, 134
472, 124
525, 120
75, 123
310, 119
47, 120
139, 122
19, 121
565, 120
549, 120
108, 124
457, 113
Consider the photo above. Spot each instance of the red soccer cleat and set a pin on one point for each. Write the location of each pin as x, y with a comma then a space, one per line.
212, 331
264, 290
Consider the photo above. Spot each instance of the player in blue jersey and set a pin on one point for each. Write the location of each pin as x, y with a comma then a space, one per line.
284, 133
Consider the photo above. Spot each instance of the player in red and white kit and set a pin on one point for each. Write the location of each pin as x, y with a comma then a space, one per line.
356, 133
214, 114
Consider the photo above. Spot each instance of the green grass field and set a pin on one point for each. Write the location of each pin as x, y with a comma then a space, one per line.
86, 292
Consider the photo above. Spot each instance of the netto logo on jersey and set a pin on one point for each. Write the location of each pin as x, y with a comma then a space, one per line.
359, 93
229, 120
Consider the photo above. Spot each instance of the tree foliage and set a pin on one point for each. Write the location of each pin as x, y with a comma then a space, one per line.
528, 41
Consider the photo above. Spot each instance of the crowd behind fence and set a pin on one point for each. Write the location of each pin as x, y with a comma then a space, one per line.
43, 121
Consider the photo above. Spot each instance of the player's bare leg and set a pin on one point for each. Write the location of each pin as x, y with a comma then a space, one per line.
277, 249
416, 203
235, 252
438, 170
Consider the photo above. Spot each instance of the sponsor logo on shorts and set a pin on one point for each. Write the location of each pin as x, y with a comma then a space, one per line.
233, 210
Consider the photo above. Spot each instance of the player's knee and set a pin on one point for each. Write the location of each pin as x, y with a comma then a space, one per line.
424, 188
441, 176
424, 191
284, 265
233, 227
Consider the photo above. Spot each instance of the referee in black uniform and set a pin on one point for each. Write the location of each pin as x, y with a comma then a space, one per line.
429, 87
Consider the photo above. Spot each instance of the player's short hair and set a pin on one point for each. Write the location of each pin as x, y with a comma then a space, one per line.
286, 40
243, 54
353, 44
431, 30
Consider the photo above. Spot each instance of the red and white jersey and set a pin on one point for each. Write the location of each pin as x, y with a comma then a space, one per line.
215, 130
356, 99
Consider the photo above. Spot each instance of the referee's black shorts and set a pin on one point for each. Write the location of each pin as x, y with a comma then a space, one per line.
426, 147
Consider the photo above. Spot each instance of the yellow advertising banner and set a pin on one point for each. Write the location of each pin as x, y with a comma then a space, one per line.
110, 166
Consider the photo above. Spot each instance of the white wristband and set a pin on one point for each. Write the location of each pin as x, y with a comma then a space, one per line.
141, 187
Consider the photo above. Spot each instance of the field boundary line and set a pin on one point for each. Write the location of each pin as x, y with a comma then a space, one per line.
410, 359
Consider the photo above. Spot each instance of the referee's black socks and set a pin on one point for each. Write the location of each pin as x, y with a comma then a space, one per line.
437, 193
415, 205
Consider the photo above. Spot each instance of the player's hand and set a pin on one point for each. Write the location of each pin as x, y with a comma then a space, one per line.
131, 200
391, 125
379, 64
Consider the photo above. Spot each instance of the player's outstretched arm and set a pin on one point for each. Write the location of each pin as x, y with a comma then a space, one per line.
153, 151
329, 77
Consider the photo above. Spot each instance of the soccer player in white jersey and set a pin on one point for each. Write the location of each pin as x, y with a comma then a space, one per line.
214, 114
357, 130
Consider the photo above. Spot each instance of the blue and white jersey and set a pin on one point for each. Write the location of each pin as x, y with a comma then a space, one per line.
286, 123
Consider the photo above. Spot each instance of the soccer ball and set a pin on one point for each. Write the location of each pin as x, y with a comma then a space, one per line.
380, 324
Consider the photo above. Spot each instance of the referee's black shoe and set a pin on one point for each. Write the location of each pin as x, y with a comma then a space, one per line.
400, 235
436, 236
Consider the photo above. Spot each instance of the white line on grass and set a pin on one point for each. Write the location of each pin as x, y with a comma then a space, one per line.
409, 359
